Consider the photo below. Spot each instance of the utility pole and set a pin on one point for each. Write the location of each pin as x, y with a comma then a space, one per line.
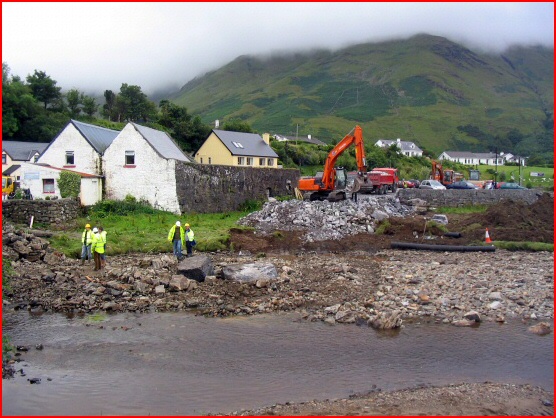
496, 163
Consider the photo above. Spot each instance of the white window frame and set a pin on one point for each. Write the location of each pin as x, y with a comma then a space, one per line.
270, 162
249, 160
130, 157
240, 160
70, 155
262, 162
48, 186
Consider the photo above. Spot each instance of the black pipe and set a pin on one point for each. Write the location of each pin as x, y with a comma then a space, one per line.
434, 247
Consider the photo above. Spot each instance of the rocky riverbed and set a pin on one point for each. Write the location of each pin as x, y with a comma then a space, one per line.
342, 277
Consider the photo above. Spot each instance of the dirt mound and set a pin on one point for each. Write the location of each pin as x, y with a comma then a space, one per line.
506, 221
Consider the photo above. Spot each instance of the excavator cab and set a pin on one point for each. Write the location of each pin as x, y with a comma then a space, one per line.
341, 178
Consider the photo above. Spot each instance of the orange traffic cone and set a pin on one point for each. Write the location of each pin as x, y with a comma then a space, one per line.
487, 237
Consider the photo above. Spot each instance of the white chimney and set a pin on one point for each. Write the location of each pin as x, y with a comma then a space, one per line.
309, 136
216, 123
398, 140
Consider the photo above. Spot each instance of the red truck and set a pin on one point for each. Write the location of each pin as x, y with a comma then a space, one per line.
379, 180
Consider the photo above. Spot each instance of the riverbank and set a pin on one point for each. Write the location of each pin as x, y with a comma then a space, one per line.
476, 399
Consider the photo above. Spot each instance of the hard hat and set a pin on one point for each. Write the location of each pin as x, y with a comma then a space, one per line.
95, 230
178, 223
87, 226
186, 224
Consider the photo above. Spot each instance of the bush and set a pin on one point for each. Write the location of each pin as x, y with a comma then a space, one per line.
251, 205
69, 184
121, 207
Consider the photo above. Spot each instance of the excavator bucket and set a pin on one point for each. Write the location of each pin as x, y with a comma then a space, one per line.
336, 196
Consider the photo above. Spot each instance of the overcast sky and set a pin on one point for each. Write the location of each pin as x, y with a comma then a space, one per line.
99, 46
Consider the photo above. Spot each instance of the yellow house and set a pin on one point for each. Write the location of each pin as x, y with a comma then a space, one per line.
238, 149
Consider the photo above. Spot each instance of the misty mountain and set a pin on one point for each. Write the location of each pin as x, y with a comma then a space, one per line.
427, 89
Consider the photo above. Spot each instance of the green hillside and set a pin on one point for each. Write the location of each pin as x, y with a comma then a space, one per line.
426, 89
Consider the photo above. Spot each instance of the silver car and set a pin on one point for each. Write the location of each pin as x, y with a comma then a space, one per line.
432, 184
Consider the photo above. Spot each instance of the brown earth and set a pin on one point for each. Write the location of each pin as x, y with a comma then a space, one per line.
506, 221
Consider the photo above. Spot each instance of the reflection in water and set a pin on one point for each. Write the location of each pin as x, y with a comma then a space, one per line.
180, 364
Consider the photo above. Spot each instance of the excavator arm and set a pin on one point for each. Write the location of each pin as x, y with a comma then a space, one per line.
354, 137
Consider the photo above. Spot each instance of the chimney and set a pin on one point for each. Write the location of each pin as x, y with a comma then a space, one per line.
216, 123
266, 138
309, 136
398, 140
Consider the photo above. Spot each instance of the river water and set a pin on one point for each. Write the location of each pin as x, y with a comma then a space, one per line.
182, 364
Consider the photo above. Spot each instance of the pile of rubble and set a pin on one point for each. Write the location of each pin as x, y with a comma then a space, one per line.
325, 220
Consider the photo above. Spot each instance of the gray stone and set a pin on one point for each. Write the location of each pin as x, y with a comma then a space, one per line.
250, 272
196, 268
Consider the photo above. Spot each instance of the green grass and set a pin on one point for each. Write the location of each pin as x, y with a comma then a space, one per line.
463, 209
535, 182
148, 233
524, 246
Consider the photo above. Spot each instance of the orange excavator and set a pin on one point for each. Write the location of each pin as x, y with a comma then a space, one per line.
444, 176
331, 183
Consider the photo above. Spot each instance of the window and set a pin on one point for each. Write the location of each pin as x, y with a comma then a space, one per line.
70, 160
237, 144
249, 161
270, 162
239, 160
130, 158
261, 161
48, 186
210, 160
4, 159
201, 160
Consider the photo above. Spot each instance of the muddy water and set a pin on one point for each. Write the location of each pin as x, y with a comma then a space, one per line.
180, 364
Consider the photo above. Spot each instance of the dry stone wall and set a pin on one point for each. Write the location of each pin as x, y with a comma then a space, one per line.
219, 188
49, 212
456, 198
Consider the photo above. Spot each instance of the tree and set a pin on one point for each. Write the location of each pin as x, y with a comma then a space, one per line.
43, 88
110, 105
75, 100
237, 125
90, 106
133, 104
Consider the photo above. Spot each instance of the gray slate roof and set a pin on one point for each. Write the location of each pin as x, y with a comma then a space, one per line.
251, 145
162, 143
468, 154
100, 138
22, 151
11, 169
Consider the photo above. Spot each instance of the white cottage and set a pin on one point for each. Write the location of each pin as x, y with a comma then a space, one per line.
141, 162
42, 181
405, 147
79, 147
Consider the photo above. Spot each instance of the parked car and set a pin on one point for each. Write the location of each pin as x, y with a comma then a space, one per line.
406, 184
432, 184
463, 184
416, 183
512, 186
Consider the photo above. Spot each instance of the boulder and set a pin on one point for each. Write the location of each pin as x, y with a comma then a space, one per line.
251, 272
196, 268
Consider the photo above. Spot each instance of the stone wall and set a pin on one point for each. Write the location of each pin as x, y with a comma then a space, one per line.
455, 198
49, 212
219, 188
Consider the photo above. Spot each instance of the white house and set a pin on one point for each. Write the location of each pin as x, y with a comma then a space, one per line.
407, 148
472, 158
16, 152
42, 180
79, 146
308, 139
141, 162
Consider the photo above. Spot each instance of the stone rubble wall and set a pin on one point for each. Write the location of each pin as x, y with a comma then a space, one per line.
219, 188
456, 198
56, 212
